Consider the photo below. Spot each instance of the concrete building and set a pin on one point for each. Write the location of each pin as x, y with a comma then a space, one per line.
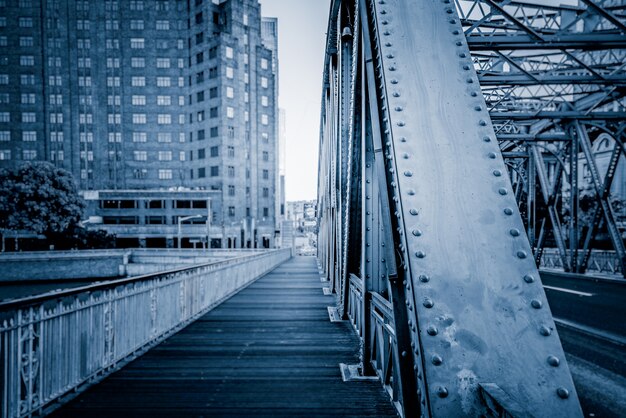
145, 95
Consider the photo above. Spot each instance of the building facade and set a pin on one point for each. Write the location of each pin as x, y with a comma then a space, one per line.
145, 95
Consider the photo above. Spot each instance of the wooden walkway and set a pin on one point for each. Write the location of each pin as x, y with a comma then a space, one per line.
269, 351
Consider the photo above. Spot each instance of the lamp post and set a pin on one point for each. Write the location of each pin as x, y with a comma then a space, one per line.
180, 223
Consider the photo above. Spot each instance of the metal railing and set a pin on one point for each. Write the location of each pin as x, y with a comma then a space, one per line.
53, 344
600, 261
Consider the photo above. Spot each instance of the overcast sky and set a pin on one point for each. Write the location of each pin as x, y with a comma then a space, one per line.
301, 37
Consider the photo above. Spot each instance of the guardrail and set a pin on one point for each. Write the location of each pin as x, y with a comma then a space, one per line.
600, 261
57, 343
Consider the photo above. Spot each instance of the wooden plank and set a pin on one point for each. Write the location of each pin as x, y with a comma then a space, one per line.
268, 351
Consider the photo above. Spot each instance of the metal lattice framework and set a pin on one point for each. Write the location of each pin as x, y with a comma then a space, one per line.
426, 187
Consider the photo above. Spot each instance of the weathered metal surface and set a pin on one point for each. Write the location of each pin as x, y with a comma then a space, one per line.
52, 344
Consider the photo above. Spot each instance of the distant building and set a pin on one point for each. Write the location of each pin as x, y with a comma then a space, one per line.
303, 216
146, 95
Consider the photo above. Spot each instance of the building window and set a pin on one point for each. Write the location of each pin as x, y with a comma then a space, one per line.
264, 119
230, 72
27, 60
5, 154
201, 135
4, 79
200, 96
163, 81
137, 43
136, 24
4, 41
164, 119
201, 172
6, 116
111, 81
29, 154
163, 63
164, 137
29, 136
266, 156
115, 137
165, 155
214, 132
29, 117
215, 151
201, 154
266, 192
264, 82
200, 116
26, 41
266, 212
136, 5
230, 112
230, 92
181, 155
165, 174
138, 100
266, 174
29, 98
5, 136
137, 62
231, 211
109, 24
229, 52
231, 190
163, 25
25, 22
140, 155
85, 137
138, 81
139, 118
231, 171
140, 136
212, 92
114, 118
264, 63
215, 171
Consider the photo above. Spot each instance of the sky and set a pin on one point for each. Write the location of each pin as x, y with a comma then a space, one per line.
302, 28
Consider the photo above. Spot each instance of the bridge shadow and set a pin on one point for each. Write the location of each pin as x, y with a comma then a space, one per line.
268, 351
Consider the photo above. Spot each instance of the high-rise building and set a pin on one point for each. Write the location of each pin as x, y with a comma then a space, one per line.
146, 94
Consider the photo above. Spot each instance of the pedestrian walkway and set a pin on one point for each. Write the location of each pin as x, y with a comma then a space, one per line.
269, 351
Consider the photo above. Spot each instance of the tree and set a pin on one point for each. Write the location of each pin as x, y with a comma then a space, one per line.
40, 198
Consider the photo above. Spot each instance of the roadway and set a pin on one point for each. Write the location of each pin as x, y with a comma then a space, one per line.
590, 317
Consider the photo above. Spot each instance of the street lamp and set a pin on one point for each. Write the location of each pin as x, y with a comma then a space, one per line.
180, 222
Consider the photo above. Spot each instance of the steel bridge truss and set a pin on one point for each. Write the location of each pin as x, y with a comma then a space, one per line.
554, 79
447, 130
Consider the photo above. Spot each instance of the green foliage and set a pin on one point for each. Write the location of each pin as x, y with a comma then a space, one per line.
79, 238
40, 198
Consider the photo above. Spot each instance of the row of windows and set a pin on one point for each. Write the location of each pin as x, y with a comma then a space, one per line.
5, 154
135, 24
27, 136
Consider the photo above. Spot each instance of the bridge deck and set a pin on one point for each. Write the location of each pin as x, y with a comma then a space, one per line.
268, 351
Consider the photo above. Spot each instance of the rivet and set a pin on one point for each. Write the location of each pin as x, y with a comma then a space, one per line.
442, 392
529, 278
486, 139
521, 254
403, 139
411, 192
502, 191
478, 108
462, 55
563, 393
469, 81
415, 367
404, 354
545, 331
392, 68
536, 304
424, 278
473, 94
432, 330
449, 11
408, 174
428, 303
508, 211
459, 43
396, 94
497, 173
394, 81
417, 232
482, 122
401, 123
514, 232
492, 155
413, 211
436, 360
412, 345
452, 21
383, 12
405, 156
390, 56
420, 254
386, 33
466, 67
388, 44
455, 32
384, 22
554, 361
367, 181
398, 109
